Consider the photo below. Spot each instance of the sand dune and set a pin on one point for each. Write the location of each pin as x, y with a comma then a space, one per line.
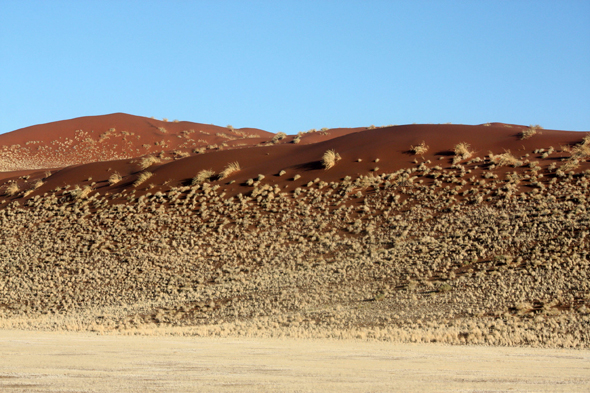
447, 233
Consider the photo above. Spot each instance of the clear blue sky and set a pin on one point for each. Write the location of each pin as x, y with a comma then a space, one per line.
294, 65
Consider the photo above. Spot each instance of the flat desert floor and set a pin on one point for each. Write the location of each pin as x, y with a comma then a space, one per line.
35, 361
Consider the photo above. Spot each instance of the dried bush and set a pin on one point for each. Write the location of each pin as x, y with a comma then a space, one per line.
278, 136
81, 193
115, 178
148, 161
529, 132
330, 158
231, 168
12, 189
202, 176
506, 159
420, 149
462, 151
143, 176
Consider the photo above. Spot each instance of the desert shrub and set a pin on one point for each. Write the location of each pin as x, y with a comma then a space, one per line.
80, 193
231, 168
12, 189
419, 149
330, 158
181, 154
297, 176
115, 178
462, 151
202, 176
148, 161
143, 176
278, 136
506, 159
570, 164
163, 130
282, 172
581, 150
38, 183
529, 132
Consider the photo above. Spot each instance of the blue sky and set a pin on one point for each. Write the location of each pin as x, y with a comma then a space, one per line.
294, 65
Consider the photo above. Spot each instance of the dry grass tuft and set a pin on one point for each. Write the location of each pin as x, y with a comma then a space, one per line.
278, 136
81, 193
12, 189
420, 149
231, 168
148, 161
529, 132
462, 151
115, 178
202, 176
330, 158
143, 176
506, 159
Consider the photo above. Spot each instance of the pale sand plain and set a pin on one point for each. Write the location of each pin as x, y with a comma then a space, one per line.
37, 361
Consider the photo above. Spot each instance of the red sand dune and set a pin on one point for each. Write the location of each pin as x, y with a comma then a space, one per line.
92, 155
111, 137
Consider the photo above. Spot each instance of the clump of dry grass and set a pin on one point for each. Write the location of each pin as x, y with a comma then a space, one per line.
582, 150
506, 159
38, 183
81, 193
202, 176
148, 161
420, 149
181, 154
115, 178
143, 176
278, 136
282, 172
330, 158
529, 132
462, 152
12, 189
163, 130
231, 168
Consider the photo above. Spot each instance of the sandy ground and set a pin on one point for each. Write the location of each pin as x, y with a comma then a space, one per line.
56, 362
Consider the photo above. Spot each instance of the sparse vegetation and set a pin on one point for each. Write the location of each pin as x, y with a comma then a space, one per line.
202, 176
12, 189
330, 158
420, 149
462, 152
506, 159
278, 136
148, 161
230, 169
115, 178
143, 176
530, 131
